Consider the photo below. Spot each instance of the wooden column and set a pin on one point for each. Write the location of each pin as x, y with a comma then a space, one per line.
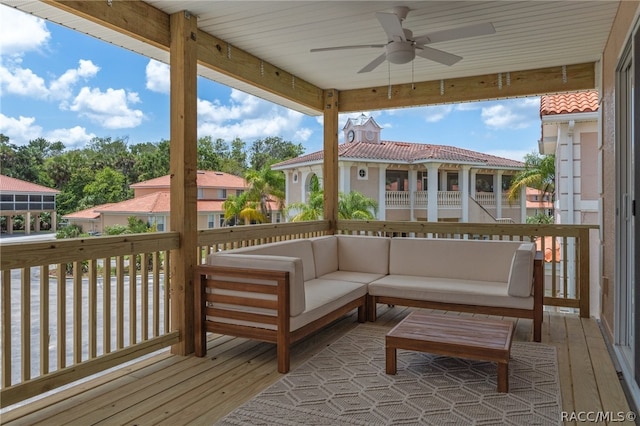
183, 121
330, 167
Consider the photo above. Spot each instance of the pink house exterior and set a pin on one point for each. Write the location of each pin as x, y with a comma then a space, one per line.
413, 181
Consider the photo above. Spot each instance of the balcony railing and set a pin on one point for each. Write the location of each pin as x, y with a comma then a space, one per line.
59, 327
446, 199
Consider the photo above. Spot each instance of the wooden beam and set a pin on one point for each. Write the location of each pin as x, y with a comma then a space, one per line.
330, 164
183, 119
143, 22
482, 87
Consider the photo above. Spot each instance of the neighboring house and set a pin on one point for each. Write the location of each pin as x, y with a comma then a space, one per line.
151, 204
413, 181
570, 131
21, 198
539, 202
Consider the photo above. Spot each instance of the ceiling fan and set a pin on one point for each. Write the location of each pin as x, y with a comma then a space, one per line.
402, 47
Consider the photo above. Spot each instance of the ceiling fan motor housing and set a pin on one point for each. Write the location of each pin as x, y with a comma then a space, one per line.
400, 52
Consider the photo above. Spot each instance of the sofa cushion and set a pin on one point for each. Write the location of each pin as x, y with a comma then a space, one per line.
325, 254
467, 292
361, 253
449, 258
294, 248
274, 263
521, 274
356, 277
325, 296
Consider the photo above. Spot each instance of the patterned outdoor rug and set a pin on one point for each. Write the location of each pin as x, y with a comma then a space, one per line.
346, 384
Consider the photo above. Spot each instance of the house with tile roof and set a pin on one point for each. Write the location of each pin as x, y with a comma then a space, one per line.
570, 130
22, 198
413, 181
152, 203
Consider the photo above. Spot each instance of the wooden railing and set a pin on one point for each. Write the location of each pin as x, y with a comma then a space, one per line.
566, 248
213, 240
72, 308
59, 327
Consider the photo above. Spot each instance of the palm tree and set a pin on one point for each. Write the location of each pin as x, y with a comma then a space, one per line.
233, 206
355, 205
539, 172
311, 210
265, 185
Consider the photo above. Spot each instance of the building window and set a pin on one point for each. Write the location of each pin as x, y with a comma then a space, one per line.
295, 178
158, 221
222, 194
200, 193
211, 221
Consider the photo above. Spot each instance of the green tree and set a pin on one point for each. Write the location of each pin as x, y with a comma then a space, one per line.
265, 185
313, 209
208, 159
109, 186
233, 206
354, 205
539, 173
270, 150
152, 160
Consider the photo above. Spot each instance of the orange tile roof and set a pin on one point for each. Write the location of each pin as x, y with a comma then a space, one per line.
569, 103
406, 152
205, 179
160, 202
91, 213
9, 184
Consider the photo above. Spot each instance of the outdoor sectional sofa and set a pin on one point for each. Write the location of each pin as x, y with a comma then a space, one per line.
281, 292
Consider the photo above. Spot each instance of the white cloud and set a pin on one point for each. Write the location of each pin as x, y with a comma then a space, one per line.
21, 32
436, 113
513, 154
61, 88
158, 77
75, 137
110, 109
24, 129
515, 114
22, 81
249, 117
21, 130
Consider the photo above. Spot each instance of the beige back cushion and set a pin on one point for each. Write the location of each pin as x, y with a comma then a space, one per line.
521, 274
325, 254
360, 253
294, 248
448, 258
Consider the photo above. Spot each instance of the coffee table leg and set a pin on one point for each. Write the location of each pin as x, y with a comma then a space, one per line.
391, 360
503, 377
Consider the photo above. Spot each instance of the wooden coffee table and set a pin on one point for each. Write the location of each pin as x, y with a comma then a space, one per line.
464, 337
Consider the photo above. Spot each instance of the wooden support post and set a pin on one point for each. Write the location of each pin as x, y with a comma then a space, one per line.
183, 120
330, 166
584, 278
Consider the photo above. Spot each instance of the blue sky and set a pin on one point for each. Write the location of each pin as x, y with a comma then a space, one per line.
65, 86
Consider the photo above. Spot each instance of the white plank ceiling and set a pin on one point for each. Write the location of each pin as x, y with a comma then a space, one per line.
529, 35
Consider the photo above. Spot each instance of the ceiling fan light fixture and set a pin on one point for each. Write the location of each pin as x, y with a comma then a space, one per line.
400, 53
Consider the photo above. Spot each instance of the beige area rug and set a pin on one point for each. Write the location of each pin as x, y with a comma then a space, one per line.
346, 384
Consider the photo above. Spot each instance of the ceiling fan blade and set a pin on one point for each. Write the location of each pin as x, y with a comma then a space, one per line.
361, 46
392, 26
437, 55
456, 33
373, 64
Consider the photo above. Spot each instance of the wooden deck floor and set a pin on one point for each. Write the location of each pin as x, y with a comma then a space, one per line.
173, 390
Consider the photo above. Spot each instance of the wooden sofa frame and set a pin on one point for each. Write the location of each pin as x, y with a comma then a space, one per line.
535, 314
218, 277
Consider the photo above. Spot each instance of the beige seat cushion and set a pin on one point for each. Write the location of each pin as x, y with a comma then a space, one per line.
356, 277
467, 292
325, 254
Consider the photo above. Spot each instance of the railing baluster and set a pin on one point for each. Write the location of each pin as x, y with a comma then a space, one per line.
106, 306
166, 284
119, 302
6, 328
93, 308
133, 301
25, 324
62, 316
77, 312
156, 294
144, 295
44, 319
